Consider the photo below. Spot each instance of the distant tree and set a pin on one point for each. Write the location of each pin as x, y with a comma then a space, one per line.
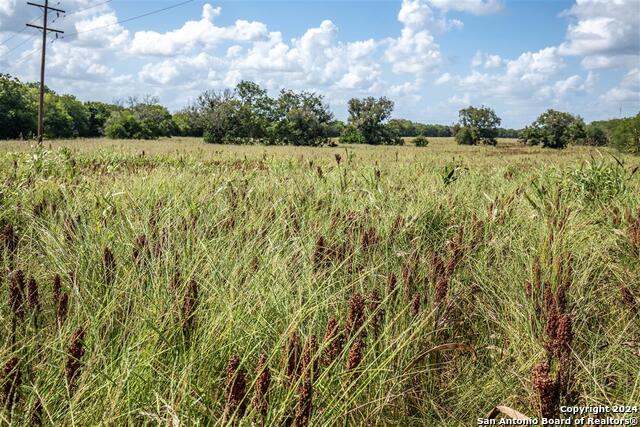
124, 125
481, 124
336, 128
255, 111
554, 129
595, 135
17, 109
99, 113
188, 122
155, 118
58, 123
368, 117
625, 136
300, 118
220, 112
79, 114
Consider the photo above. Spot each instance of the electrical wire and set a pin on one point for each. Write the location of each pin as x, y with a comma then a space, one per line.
144, 15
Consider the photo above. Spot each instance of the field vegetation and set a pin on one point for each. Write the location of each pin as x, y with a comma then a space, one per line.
181, 283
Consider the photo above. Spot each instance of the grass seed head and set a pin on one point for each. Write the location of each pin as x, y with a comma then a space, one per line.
333, 342
291, 357
305, 403
545, 390
74, 358
62, 308
309, 361
260, 401
189, 304
109, 265
235, 401
355, 354
415, 304
376, 311
57, 289
10, 239
12, 380
17, 294
356, 317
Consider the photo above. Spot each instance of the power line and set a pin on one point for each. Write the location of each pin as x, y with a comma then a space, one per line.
87, 8
144, 15
28, 39
17, 33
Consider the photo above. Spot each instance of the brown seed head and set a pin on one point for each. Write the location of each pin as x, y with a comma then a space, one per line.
235, 401
392, 285
62, 308
291, 357
338, 159
305, 403
12, 379
355, 354
10, 239
109, 265
415, 304
545, 389
17, 294
309, 360
57, 289
333, 342
376, 311
189, 304
356, 317
74, 358
260, 401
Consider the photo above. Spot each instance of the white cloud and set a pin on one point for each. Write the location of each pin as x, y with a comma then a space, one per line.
487, 61
606, 33
203, 33
416, 51
476, 7
628, 90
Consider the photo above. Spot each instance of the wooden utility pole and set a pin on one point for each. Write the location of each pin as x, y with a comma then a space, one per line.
45, 30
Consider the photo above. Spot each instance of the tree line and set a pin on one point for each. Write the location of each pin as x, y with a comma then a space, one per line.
247, 114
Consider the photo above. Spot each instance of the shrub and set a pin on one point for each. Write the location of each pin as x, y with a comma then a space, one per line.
482, 122
464, 136
352, 136
421, 141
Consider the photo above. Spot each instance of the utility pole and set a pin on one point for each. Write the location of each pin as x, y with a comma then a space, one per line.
45, 30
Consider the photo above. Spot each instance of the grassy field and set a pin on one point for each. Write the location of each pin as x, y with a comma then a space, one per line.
176, 283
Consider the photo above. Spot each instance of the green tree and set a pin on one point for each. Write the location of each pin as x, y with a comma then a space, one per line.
124, 125
300, 118
188, 122
554, 129
255, 110
368, 117
99, 113
625, 136
79, 115
18, 111
482, 125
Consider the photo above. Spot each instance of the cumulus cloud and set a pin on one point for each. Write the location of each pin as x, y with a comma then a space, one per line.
416, 51
521, 77
627, 91
476, 7
203, 33
606, 33
485, 60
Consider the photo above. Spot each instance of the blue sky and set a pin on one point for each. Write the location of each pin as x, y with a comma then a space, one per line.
432, 57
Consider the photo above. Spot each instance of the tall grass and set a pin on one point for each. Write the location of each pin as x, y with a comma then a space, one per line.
189, 287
